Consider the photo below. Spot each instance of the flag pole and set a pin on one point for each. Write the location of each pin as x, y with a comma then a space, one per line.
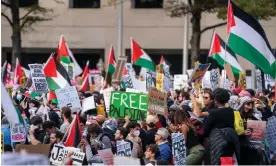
185, 42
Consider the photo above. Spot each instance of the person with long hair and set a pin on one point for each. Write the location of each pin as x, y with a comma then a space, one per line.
195, 150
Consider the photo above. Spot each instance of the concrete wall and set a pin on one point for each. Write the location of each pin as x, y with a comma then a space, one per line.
97, 28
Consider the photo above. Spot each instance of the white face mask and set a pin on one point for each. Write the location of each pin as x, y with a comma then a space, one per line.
136, 133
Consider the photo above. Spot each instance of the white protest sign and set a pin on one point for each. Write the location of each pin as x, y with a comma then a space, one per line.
167, 85
214, 78
68, 97
88, 104
179, 149
128, 81
38, 78
123, 148
269, 82
206, 81
59, 153
180, 81
107, 94
248, 82
121, 160
23, 159
151, 78
135, 91
18, 132
259, 80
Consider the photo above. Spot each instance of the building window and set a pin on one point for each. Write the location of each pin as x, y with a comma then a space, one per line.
147, 3
27, 3
84, 3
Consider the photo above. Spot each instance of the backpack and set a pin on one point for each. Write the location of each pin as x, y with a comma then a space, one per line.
113, 142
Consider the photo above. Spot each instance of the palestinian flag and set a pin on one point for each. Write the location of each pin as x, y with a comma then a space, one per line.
32, 94
164, 63
111, 65
18, 74
248, 39
63, 53
223, 54
85, 85
140, 57
74, 134
51, 96
86, 71
55, 74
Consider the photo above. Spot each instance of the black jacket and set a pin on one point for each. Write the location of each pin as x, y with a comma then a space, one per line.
223, 142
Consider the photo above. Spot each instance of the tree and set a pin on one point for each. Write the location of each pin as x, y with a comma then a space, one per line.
261, 9
32, 15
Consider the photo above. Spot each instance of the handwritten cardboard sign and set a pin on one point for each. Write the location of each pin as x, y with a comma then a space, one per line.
157, 102
179, 149
68, 97
180, 81
131, 104
38, 78
18, 132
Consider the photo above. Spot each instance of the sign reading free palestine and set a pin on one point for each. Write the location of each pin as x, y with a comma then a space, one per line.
135, 105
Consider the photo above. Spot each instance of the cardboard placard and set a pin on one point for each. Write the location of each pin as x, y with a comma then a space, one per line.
123, 148
68, 97
159, 81
157, 102
43, 149
60, 152
229, 72
134, 105
179, 149
38, 78
18, 132
88, 104
121, 160
120, 66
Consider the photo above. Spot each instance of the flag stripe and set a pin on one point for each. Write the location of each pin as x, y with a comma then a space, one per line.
254, 39
221, 62
227, 57
250, 21
145, 63
111, 68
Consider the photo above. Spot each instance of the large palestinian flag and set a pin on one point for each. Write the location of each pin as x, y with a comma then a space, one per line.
111, 65
223, 54
55, 74
140, 57
74, 134
248, 39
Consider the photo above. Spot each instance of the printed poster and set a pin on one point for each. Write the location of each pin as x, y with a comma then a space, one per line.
123, 148
38, 78
18, 132
179, 149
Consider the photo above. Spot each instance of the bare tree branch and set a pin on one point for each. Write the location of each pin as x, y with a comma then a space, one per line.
26, 15
213, 26
5, 4
7, 18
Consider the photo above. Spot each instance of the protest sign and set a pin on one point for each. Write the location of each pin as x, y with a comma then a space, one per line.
68, 97
18, 132
198, 72
269, 82
150, 78
107, 156
43, 149
227, 161
23, 159
179, 149
259, 81
139, 83
97, 81
248, 80
120, 66
136, 91
60, 152
229, 72
106, 94
242, 80
225, 83
159, 81
157, 102
38, 78
206, 83
180, 81
214, 78
258, 130
123, 148
2, 142
88, 104
121, 160
128, 81
131, 104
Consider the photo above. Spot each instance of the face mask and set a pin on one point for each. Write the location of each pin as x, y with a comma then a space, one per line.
19, 97
136, 133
